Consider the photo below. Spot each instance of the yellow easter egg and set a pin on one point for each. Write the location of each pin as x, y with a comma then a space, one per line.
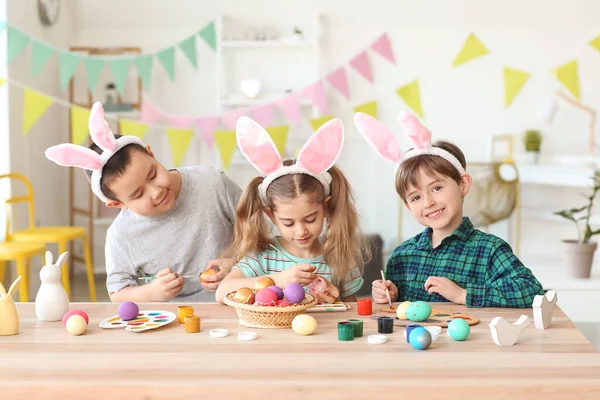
304, 324
76, 325
401, 310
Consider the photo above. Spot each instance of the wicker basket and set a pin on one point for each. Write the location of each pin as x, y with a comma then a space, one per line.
269, 317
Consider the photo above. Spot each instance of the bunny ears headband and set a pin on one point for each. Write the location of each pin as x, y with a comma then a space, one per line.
71, 155
383, 141
319, 153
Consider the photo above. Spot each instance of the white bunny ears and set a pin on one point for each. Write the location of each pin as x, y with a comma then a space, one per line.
319, 153
383, 141
71, 155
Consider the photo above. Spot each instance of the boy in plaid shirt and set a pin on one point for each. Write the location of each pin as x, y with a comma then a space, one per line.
450, 260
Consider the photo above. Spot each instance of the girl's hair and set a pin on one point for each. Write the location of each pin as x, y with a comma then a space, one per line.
344, 246
432, 165
115, 166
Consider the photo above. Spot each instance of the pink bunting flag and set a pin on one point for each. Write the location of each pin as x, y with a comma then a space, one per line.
230, 118
179, 121
207, 127
316, 94
362, 65
150, 113
338, 79
290, 105
263, 114
383, 47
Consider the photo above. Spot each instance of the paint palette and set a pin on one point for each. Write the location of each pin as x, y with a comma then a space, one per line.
146, 320
323, 307
438, 318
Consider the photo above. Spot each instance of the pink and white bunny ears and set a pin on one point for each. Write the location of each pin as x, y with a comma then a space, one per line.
319, 153
383, 141
71, 155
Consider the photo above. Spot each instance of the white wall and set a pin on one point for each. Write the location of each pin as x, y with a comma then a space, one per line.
464, 105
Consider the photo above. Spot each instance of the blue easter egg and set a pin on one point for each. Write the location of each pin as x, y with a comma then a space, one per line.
459, 329
420, 338
418, 311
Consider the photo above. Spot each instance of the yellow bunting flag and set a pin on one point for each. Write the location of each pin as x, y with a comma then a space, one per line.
568, 75
411, 94
179, 139
514, 80
226, 143
79, 124
317, 122
133, 128
596, 43
2, 80
367, 108
35, 105
472, 49
279, 134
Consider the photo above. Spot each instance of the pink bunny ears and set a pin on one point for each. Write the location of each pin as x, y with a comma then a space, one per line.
383, 141
319, 153
71, 155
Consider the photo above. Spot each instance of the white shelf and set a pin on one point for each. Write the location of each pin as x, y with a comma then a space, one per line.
555, 174
258, 101
267, 44
545, 215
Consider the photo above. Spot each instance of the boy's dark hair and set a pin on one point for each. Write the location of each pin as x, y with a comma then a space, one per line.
432, 165
115, 166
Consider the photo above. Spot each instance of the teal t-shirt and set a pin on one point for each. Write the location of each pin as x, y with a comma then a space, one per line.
271, 261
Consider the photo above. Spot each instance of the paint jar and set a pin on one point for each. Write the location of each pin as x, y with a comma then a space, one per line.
358, 327
192, 324
409, 328
345, 331
182, 311
365, 306
385, 325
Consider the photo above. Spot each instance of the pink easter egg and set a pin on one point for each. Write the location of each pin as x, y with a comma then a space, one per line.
265, 297
75, 312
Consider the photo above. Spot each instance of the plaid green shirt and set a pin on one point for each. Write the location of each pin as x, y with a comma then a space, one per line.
482, 264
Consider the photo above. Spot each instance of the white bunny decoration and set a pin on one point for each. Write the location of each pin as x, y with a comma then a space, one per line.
9, 318
52, 302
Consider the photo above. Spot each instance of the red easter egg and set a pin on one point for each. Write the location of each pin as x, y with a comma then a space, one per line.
265, 297
283, 303
75, 312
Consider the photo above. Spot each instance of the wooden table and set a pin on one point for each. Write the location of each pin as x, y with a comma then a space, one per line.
44, 361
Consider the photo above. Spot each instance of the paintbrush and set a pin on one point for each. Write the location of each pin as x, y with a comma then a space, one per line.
283, 254
387, 291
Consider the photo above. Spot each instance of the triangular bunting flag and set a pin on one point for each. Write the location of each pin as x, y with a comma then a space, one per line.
230, 118
180, 121
263, 114
2, 81
317, 122
79, 124
132, 128
34, 106
316, 94
368, 108
362, 65
596, 43
150, 113
472, 49
383, 47
188, 46
279, 134
338, 79
209, 34
68, 64
514, 80
179, 139
143, 64
207, 127
93, 70
167, 60
120, 71
411, 94
17, 41
226, 143
290, 106
41, 53
568, 75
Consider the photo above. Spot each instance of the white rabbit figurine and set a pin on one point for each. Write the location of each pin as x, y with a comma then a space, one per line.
52, 302
9, 318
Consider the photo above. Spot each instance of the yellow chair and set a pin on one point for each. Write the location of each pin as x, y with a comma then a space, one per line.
61, 235
21, 253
